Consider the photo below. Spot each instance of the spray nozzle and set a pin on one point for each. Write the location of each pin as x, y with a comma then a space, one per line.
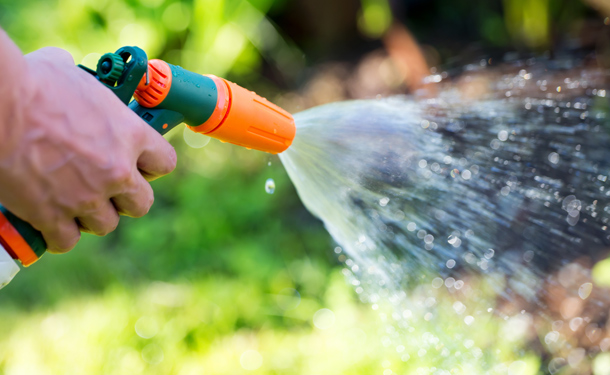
213, 106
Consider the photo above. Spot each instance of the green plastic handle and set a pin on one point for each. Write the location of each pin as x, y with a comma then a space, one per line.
27, 232
121, 72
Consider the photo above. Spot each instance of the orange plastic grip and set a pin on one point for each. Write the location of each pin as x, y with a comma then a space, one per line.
160, 82
248, 120
12, 242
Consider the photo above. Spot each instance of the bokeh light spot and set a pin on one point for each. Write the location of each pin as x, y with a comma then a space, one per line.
251, 360
195, 140
152, 354
323, 319
147, 327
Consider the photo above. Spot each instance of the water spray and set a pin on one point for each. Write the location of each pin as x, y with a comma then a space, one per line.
477, 213
165, 96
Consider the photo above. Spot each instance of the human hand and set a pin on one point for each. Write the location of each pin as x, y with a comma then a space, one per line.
74, 156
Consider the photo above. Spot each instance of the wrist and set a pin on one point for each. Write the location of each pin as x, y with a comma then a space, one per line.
15, 93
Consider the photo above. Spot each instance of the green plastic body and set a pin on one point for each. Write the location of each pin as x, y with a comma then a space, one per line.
192, 99
191, 94
31, 235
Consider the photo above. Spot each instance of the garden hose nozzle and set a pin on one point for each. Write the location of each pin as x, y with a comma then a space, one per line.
165, 96
215, 107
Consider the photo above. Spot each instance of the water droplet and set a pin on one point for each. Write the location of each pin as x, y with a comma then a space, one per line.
449, 282
575, 323
585, 290
270, 186
517, 367
459, 307
503, 135
551, 337
554, 157
576, 356
437, 283
556, 364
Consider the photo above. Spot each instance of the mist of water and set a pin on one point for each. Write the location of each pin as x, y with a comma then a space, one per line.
478, 212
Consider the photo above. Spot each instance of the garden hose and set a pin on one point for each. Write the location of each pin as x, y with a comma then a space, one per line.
165, 96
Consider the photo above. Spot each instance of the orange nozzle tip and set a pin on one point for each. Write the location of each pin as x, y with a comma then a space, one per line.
250, 121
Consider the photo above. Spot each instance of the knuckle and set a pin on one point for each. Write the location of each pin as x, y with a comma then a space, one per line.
149, 202
58, 54
107, 228
122, 174
136, 131
145, 206
100, 224
60, 244
88, 205
71, 242
168, 163
172, 160
42, 219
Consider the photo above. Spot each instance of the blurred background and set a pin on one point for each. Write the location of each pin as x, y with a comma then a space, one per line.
222, 277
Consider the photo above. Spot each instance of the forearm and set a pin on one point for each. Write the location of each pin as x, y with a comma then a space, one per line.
13, 93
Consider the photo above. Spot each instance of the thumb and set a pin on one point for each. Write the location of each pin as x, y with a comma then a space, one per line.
52, 54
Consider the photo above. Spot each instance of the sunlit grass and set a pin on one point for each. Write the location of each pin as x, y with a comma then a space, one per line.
220, 325
213, 326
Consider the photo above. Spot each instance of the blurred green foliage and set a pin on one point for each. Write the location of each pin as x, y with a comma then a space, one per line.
214, 236
212, 215
209, 279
